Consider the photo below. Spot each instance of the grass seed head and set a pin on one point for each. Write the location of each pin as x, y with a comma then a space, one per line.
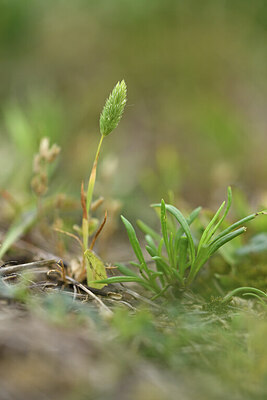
113, 109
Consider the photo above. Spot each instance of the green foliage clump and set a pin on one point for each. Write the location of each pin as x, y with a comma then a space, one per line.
177, 254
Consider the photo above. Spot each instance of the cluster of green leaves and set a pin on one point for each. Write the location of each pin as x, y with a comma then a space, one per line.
177, 254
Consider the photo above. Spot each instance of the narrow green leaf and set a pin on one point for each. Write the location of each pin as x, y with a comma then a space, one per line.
20, 130
156, 274
147, 230
135, 264
163, 266
243, 291
125, 270
234, 226
151, 251
182, 255
121, 279
214, 229
151, 243
176, 275
226, 238
207, 250
18, 229
160, 246
163, 221
161, 292
172, 256
181, 219
203, 238
194, 214
134, 243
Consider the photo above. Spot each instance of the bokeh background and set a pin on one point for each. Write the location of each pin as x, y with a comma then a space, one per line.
196, 116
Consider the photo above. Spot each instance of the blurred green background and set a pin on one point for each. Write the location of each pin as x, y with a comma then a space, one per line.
196, 116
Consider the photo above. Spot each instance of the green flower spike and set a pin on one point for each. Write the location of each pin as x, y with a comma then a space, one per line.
113, 109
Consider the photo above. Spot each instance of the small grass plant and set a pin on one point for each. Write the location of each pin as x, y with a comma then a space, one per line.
177, 254
109, 120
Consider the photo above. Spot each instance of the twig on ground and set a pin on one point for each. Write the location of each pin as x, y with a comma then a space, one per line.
90, 293
24, 267
142, 298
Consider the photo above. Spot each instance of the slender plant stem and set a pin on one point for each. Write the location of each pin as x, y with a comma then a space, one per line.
86, 208
91, 182
85, 233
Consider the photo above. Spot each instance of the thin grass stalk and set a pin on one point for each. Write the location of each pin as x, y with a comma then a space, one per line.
91, 182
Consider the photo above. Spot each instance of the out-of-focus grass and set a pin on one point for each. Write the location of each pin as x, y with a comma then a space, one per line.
194, 348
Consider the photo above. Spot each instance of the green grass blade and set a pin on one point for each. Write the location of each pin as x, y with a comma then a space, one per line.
182, 256
234, 226
18, 229
125, 270
135, 243
162, 266
160, 247
151, 251
207, 250
183, 222
160, 270
243, 291
161, 292
214, 229
226, 238
181, 219
163, 221
156, 274
200, 260
176, 276
135, 264
194, 214
172, 258
147, 230
158, 260
151, 243
203, 238
123, 279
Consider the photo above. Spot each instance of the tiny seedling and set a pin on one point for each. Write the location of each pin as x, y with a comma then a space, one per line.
177, 255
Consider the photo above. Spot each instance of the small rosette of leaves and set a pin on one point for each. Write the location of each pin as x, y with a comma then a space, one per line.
113, 109
177, 254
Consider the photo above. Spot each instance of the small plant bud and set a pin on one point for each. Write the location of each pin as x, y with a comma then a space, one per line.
46, 153
113, 109
39, 184
53, 153
41, 161
44, 147
36, 164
